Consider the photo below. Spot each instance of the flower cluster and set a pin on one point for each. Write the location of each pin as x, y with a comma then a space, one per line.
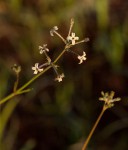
108, 99
69, 42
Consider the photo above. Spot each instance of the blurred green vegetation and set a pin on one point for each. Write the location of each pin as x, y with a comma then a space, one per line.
60, 115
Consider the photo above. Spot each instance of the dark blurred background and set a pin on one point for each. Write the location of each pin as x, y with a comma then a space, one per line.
59, 116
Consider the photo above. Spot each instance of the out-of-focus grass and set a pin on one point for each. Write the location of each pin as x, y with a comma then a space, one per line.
4, 117
55, 116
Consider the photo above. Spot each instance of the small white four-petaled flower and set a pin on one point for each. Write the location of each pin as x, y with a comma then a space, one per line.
36, 68
59, 77
55, 28
82, 58
43, 49
72, 38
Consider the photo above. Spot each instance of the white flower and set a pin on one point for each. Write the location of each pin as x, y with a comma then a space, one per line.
43, 49
82, 58
59, 77
72, 38
108, 99
36, 68
55, 28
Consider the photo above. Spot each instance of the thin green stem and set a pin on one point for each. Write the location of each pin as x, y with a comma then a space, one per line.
24, 91
93, 129
7, 98
16, 82
60, 54
48, 58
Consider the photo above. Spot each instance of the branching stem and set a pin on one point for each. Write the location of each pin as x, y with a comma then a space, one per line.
22, 88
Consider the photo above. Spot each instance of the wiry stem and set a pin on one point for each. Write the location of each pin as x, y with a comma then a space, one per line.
7, 98
93, 129
16, 82
82, 41
71, 25
72, 52
60, 36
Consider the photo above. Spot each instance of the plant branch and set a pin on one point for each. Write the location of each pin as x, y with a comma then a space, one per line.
20, 90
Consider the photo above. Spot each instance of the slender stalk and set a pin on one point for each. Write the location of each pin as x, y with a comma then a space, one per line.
60, 55
7, 98
48, 58
60, 37
16, 82
82, 41
71, 25
93, 129
72, 52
